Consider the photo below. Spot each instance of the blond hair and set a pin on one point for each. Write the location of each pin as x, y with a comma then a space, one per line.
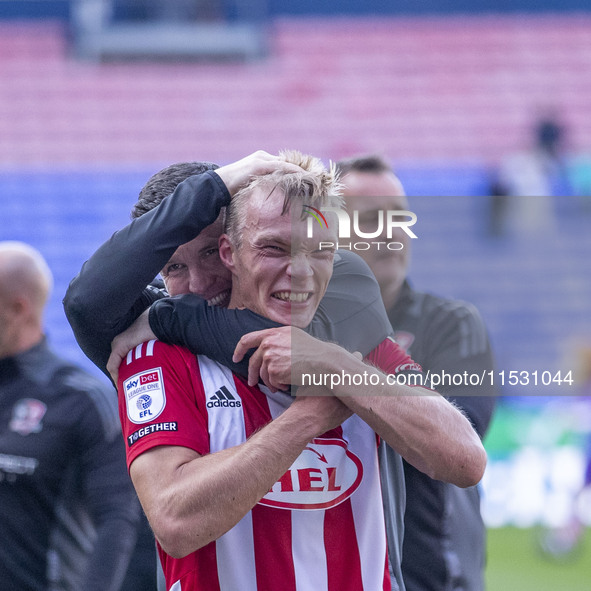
315, 185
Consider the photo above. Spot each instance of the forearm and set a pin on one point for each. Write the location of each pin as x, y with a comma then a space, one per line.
428, 431
194, 502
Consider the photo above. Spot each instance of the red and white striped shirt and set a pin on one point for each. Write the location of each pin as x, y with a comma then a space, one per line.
320, 527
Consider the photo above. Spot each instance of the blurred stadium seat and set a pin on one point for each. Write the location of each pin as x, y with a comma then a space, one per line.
441, 89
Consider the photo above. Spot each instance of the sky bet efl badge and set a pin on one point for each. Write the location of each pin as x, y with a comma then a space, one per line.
144, 396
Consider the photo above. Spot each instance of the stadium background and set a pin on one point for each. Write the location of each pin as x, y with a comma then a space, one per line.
443, 88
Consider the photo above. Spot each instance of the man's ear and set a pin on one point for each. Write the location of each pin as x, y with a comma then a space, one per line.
226, 252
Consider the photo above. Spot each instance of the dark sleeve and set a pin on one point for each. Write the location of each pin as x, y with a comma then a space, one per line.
458, 342
110, 291
108, 492
351, 314
187, 320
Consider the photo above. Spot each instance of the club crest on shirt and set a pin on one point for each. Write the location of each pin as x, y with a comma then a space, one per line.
144, 396
324, 475
26, 416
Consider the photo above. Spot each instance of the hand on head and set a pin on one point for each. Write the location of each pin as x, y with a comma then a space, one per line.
238, 174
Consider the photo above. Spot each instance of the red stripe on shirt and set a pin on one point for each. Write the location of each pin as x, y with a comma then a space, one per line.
344, 568
272, 544
195, 571
387, 581
256, 413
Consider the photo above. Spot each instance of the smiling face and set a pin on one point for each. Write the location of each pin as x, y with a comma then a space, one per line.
277, 271
370, 193
195, 267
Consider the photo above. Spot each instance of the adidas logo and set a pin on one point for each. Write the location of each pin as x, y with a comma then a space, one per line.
223, 398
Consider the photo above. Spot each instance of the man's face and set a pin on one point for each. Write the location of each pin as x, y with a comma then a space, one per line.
196, 268
278, 272
369, 193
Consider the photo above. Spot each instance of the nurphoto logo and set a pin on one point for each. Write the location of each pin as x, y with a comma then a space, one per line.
387, 222
317, 215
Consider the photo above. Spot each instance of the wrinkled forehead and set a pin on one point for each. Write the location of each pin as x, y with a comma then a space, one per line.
267, 206
267, 197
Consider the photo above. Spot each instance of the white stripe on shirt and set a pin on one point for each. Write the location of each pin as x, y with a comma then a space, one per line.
311, 571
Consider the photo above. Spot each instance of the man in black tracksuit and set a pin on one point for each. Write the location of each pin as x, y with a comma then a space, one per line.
68, 512
444, 539
444, 544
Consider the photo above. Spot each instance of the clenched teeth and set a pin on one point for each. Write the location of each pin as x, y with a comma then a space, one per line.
218, 299
290, 296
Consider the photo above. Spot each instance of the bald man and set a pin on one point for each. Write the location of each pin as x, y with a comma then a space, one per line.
68, 512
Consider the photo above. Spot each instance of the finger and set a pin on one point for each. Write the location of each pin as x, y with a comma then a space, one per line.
266, 377
279, 165
247, 342
358, 355
113, 366
254, 367
261, 154
290, 167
